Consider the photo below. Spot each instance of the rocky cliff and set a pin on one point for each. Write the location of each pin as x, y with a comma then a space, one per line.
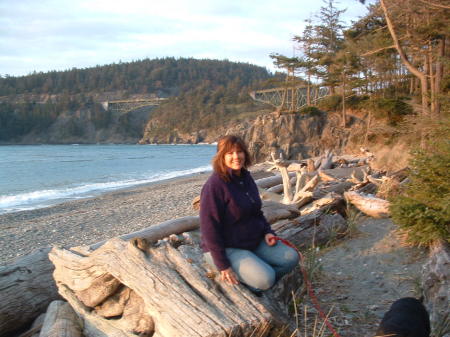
296, 136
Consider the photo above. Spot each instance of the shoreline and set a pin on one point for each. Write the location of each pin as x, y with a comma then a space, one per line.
90, 220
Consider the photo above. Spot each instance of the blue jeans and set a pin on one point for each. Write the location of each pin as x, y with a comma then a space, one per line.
261, 268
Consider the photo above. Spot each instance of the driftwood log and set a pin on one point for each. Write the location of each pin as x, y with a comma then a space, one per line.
372, 206
61, 321
26, 289
169, 290
436, 287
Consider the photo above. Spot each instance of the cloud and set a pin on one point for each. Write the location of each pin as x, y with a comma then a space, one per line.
53, 35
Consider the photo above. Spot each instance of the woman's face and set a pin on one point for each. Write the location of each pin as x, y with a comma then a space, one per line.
235, 159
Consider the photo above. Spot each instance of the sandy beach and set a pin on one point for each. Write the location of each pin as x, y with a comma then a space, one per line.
87, 221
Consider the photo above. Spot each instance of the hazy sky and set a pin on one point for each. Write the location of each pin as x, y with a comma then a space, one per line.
43, 35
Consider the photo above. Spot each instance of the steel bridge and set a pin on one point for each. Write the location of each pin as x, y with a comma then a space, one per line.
127, 105
290, 98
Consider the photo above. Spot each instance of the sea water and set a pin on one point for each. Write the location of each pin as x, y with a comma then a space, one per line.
36, 176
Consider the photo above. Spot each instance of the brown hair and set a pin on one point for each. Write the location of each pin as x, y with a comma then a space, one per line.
224, 145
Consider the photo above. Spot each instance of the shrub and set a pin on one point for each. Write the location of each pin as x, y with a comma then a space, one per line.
330, 103
310, 110
423, 210
356, 101
392, 109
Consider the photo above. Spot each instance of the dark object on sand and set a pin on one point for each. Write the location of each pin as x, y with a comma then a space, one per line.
407, 317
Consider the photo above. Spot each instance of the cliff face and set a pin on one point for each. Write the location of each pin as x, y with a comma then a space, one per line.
295, 136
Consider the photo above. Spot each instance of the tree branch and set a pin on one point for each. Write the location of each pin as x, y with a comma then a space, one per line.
377, 50
433, 4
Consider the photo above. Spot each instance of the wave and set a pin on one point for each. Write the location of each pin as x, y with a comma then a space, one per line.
45, 198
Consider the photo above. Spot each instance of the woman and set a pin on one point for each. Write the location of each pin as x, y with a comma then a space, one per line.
235, 236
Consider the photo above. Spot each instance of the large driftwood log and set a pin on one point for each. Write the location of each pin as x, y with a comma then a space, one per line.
436, 287
61, 321
26, 289
156, 232
175, 296
271, 181
313, 229
274, 211
372, 206
27, 286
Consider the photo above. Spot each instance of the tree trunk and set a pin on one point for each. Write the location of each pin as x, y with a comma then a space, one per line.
439, 76
421, 76
344, 117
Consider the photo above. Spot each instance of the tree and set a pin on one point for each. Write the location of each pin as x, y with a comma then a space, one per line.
419, 31
328, 41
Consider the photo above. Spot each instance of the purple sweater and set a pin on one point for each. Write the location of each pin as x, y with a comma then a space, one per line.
231, 216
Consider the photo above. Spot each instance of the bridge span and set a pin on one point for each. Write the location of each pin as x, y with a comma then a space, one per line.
290, 98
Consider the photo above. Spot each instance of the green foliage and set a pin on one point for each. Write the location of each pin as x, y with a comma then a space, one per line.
330, 103
423, 210
202, 93
391, 109
356, 101
310, 110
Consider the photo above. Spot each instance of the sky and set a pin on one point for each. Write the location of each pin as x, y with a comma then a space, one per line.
45, 35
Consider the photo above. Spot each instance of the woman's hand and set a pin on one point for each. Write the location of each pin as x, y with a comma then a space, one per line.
229, 276
270, 239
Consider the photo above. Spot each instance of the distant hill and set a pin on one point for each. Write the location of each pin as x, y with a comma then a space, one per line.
64, 106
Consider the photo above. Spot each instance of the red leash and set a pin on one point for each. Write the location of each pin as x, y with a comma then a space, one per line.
309, 287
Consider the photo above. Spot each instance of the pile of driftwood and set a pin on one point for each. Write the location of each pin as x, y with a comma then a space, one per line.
155, 283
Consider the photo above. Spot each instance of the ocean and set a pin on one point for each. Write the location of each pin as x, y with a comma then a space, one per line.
36, 176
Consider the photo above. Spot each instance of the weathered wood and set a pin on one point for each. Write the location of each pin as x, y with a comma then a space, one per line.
269, 181
436, 286
336, 187
326, 161
157, 232
25, 283
28, 280
172, 286
274, 211
341, 173
372, 206
270, 196
61, 321
312, 229
35, 327
332, 202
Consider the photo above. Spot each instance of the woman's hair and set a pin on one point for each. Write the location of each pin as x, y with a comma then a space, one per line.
224, 145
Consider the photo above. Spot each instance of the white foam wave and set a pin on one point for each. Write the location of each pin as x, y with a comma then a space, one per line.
43, 198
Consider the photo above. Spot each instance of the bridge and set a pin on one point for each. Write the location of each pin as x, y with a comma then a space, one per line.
127, 105
290, 98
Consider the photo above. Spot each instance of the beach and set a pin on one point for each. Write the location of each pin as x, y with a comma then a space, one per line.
87, 221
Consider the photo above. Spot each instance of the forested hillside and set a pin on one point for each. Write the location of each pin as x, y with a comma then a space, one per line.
67, 104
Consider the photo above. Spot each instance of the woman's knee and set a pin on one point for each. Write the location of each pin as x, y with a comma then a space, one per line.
262, 281
291, 257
